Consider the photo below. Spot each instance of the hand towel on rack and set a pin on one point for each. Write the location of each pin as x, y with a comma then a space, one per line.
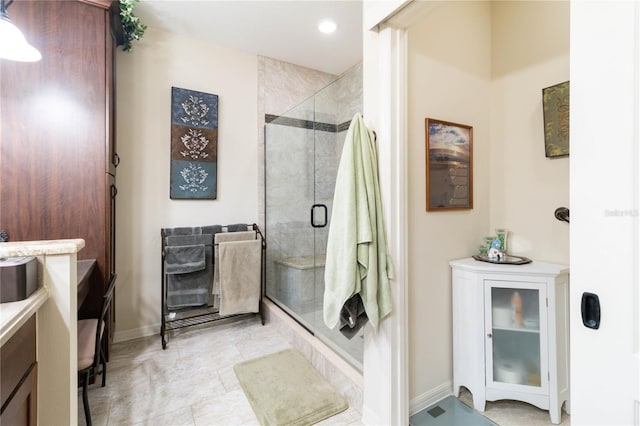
184, 259
240, 269
189, 289
187, 240
184, 230
225, 237
237, 227
357, 259
211, 229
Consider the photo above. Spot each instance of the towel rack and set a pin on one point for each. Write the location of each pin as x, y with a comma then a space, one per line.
177, 318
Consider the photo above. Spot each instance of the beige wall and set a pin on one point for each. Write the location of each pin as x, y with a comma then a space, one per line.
248, 86
144, 80
487, 71
530, 51
449, 79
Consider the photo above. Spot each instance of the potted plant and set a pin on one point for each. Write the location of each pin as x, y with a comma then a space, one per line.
126, 26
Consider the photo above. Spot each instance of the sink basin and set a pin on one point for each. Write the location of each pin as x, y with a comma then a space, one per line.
18, 278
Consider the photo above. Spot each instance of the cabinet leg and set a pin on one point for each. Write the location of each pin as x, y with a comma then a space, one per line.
479, 403
555, 412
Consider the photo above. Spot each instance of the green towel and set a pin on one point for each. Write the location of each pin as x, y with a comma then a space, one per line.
357, 256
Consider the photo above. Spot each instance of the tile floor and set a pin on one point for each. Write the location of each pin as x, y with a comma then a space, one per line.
514, 413
192, 382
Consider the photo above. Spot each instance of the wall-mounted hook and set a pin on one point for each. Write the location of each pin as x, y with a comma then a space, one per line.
562, 214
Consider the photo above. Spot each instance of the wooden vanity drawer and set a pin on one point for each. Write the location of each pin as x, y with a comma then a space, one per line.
16, 358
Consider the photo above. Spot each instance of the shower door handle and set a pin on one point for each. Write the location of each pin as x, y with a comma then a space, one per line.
313, 216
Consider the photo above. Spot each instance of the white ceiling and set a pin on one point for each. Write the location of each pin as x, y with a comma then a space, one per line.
284, 30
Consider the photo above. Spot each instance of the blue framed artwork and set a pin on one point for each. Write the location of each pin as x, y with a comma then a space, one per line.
194, 144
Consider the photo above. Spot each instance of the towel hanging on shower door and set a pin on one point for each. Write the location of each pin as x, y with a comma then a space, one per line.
357, 259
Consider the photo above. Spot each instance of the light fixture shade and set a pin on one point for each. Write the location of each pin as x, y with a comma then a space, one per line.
327, 26
14, 46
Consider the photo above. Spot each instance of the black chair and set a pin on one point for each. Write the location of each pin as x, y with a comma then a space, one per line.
90, 347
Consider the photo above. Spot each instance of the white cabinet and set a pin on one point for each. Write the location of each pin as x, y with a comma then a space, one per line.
511, 333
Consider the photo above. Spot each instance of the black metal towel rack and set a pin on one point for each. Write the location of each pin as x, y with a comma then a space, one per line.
187, 317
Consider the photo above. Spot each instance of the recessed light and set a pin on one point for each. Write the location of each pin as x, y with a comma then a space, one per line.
327, 26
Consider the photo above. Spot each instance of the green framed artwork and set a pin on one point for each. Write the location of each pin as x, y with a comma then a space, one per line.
555, 106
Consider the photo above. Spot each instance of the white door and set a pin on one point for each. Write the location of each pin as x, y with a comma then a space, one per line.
604, 163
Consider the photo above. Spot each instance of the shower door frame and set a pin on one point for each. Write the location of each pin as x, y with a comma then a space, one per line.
323, 174
311, 320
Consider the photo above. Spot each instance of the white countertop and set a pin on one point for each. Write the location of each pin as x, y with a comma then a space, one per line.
14, 314
39, 248
533, 268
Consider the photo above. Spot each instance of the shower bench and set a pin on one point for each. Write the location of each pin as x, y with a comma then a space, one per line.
296, 281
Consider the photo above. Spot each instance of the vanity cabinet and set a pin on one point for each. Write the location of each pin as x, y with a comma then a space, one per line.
511, 333
18, 374
58, 133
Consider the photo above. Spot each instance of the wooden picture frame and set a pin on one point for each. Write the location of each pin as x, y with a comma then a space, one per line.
555, 108
449, 165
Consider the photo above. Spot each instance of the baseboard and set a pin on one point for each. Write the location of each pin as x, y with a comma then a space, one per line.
135, 333
430, 397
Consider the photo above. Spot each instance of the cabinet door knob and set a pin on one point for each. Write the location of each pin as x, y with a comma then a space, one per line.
489, 335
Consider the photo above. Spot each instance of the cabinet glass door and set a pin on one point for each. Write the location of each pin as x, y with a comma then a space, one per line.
516, 329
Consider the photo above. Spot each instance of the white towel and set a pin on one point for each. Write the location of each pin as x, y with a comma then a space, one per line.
240, 268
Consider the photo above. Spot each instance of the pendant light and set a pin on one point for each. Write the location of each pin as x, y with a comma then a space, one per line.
13, 45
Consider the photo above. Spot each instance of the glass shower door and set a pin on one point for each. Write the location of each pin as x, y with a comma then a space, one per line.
289, 195
302, 153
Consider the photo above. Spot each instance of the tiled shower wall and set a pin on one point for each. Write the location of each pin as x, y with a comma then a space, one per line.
281, 86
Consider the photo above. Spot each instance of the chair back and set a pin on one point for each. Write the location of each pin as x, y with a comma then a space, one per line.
107, 298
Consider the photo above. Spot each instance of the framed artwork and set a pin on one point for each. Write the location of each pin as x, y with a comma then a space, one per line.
555, 106
449, 160
194, 145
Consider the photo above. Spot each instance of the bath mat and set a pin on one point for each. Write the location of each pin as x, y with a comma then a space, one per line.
285, 390
449, 411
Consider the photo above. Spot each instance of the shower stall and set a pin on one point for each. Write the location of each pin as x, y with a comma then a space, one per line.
302, 153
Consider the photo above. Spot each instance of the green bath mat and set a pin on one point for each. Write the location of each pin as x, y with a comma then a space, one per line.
285, 390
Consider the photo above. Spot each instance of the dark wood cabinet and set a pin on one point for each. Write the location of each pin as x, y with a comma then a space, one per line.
57, 146
19, 377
